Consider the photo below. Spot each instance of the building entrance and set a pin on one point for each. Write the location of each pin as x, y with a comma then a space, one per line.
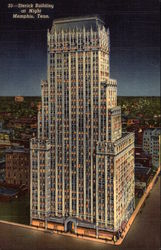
70, 225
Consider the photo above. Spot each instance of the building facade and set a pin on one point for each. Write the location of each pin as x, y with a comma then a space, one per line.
17, 166
152, 144
82, 166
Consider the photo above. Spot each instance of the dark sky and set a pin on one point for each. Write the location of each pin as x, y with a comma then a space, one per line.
135, 45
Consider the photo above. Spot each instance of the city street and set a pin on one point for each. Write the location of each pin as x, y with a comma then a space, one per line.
144, 233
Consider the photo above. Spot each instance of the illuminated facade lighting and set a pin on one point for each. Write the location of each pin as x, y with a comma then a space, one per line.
82, 166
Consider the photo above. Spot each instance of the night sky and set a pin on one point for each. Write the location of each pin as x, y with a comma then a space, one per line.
135, 45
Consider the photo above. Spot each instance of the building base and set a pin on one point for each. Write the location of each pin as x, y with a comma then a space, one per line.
69, 227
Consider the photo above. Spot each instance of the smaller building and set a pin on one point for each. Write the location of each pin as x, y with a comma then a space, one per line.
142, 158
147, 142
19, 98
151, 144
142, 179
156, 147
133, 122
4, 140
142, 174
18, 166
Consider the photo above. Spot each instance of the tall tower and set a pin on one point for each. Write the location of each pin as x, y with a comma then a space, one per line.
82, 167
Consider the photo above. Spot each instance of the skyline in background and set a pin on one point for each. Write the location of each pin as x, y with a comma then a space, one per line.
135, 45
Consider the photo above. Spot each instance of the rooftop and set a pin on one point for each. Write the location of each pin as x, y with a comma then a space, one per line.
17, 150
77, 22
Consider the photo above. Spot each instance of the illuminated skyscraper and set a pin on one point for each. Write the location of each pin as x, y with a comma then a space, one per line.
82, 167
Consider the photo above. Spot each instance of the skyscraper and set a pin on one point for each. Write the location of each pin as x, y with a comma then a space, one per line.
82, 166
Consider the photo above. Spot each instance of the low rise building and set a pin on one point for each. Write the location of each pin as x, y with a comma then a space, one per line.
142, 173
19, 98
18, 166
4, 140
156, 147
147, 142
142, 158
151, 144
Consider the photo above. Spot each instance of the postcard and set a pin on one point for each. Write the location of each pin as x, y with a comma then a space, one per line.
80, 132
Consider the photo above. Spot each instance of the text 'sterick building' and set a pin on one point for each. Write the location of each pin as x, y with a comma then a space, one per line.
82, 166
